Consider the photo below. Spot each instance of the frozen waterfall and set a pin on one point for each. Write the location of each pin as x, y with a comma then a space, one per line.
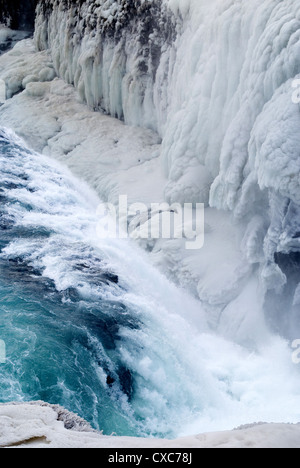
216, 80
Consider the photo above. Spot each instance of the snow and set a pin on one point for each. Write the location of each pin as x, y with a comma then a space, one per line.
117, 159
24, 71
40, 425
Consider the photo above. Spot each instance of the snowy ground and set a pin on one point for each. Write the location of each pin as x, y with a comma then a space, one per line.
40, 425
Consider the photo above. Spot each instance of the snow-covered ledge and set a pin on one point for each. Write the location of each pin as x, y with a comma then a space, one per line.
40, 425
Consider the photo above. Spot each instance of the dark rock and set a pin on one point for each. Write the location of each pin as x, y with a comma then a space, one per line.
18, 14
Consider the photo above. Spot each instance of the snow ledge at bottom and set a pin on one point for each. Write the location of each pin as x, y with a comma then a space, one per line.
41, 425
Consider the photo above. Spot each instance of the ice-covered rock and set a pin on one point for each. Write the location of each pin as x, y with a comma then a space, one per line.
172, 66
2, 91
40, 425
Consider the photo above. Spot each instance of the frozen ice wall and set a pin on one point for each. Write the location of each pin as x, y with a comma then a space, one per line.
216, 80
110, 50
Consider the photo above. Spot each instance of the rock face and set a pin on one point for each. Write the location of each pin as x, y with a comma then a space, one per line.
110, 51
17, 14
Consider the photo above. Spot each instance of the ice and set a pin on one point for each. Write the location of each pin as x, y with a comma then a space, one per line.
207, 95
228, 123
9, 37
187, 379
21, 71
40, 425
124, 160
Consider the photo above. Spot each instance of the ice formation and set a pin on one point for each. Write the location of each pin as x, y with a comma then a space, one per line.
188, 120
228, 123
18, 15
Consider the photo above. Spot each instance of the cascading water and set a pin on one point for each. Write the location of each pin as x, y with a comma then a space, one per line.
91, 325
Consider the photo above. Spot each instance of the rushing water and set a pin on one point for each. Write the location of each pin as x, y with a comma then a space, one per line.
91, 325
